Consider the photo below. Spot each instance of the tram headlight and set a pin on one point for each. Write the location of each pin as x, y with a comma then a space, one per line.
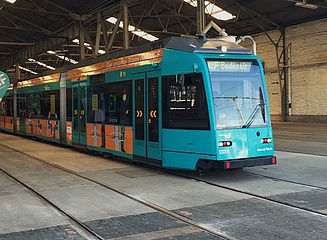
224, 49
225, 143
266, 140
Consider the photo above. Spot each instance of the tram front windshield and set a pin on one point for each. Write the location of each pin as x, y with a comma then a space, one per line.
238, 93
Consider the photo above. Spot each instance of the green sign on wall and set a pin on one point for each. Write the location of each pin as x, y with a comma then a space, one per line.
4, 84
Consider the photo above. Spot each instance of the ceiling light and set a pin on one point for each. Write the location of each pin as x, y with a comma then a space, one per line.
11, 1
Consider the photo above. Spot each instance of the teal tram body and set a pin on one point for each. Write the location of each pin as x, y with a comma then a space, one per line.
179, 103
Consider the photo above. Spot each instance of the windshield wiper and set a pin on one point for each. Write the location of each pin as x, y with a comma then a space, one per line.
256, 110
252, 117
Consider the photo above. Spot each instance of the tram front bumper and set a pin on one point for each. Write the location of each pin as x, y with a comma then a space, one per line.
232, 164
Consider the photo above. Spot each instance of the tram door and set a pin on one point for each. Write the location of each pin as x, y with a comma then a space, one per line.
79, 113
147, 141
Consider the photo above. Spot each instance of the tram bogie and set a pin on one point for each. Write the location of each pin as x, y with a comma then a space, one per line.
185, 103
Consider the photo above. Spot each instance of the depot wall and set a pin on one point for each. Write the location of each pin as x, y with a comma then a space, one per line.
307, 66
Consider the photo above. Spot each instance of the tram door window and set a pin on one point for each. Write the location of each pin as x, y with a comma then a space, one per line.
147, 141
79, 109
69, 108
75, 94
139, 105
153, 133
184, 102
80, 103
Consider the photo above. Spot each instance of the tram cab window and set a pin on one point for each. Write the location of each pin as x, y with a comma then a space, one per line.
184, 102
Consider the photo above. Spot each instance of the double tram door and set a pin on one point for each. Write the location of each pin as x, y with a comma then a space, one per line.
79, 113
147, 145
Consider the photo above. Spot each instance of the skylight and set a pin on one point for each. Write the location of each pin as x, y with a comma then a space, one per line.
63, 57
41, 64
213, 10
27, 70
88, 46
138, 32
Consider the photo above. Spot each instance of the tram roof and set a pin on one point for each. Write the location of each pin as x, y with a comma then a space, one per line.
186, 44
31, 28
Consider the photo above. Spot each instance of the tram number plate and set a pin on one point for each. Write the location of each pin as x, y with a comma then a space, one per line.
224, 151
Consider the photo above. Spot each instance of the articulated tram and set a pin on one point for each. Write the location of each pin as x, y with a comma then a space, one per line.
179, 103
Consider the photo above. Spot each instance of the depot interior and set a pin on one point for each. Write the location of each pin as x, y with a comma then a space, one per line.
38, 37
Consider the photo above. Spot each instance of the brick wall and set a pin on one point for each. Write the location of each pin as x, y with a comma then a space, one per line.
307, 49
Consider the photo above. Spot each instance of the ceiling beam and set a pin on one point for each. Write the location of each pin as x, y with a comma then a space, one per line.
17, 43
41, 10
39, 48
44, 30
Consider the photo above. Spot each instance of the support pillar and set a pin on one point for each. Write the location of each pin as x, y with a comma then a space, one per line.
81, 42
17, 75
98, 35
200, 14
125, 24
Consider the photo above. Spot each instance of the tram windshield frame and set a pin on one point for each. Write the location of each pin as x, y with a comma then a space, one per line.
238, 93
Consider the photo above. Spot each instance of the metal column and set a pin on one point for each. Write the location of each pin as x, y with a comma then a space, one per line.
200, 14
14, 121
125, 24
81, 42
63, 109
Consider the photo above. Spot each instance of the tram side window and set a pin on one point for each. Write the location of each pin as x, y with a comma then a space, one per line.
53, 99
120, 105
111, 103
6, 106
33, 105
97, 107
43, 105
184, 102
2, 108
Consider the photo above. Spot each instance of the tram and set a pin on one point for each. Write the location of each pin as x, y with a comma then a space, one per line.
179, 103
